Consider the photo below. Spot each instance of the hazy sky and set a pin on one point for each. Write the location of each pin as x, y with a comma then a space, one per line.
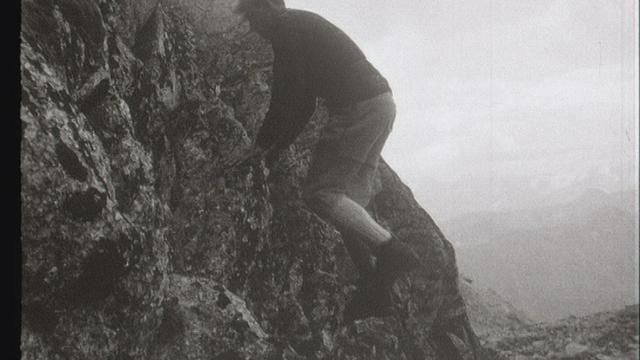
501, 102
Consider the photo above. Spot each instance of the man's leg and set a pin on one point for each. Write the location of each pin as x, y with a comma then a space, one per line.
371, 298
331, 183
345, 213
339, 186
394, 257
358, 251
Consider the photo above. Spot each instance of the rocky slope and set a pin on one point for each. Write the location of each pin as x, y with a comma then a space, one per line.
602, 336
137, 243
489, 312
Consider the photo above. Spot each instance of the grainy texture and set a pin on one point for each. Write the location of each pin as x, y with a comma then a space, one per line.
602, 336
138, 243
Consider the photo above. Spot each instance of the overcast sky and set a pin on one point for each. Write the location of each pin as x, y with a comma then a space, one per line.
501, 102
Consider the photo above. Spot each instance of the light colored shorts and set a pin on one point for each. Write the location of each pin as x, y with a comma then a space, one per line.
348, 152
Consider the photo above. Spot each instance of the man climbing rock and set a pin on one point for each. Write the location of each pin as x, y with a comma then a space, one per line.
314, 59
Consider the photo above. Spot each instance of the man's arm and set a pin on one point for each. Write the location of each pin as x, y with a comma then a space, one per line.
292, 102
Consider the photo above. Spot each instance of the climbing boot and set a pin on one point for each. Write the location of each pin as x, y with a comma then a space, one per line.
394, 259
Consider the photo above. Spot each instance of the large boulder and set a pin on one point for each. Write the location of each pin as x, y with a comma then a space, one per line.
139, 242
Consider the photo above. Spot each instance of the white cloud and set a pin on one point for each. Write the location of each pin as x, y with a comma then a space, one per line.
500, 89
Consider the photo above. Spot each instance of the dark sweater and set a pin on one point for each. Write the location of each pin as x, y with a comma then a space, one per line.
312, 58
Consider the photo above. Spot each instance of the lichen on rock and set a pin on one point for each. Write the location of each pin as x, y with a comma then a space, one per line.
139, 243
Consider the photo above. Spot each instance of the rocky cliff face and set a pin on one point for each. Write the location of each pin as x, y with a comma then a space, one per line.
137, 242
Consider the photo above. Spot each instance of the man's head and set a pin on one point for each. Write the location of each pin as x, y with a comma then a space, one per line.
260, 13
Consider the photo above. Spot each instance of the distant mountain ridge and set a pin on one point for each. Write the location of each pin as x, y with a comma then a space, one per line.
560, 209
571, 259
